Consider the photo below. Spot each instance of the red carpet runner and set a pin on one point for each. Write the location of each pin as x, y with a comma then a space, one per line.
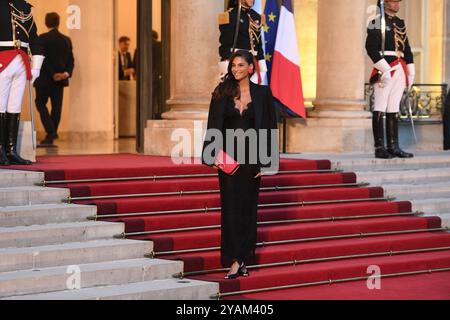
318, 228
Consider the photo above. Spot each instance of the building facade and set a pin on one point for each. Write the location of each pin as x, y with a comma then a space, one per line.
331, 35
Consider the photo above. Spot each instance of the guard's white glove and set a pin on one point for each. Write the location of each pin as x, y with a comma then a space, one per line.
262, 66
385, 69
36, 65
411, 74
223, 68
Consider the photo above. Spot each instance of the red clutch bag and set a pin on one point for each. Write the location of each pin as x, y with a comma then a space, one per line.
226, 163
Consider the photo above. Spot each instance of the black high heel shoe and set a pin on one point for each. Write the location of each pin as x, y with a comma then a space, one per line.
243, 272
237, 274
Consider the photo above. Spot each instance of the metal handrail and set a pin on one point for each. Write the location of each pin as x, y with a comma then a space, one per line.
189, 193
153, 254
215, 209
294, 262
329, 282
265, 223
181, 176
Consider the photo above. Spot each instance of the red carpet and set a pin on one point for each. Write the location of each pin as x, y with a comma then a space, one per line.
418, 287
332, 228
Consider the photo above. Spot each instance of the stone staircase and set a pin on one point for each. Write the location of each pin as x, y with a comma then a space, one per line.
49, 250
423, 180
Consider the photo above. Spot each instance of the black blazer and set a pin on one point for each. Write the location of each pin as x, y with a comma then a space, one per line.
121, 67
265, 117
58, 58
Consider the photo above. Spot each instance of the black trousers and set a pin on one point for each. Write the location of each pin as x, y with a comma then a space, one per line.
50, 120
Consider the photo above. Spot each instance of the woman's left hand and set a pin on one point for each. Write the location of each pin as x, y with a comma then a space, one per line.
259, 175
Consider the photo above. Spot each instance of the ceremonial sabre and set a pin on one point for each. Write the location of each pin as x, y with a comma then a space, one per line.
238, 22
408, 102
383, 28
32, 115
383, 33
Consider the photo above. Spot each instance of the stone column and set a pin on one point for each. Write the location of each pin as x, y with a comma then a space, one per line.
194, 72
194, 58
341, 59
339, 120
91, 111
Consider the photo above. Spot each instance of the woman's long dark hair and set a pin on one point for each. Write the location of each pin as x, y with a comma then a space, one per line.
229, 87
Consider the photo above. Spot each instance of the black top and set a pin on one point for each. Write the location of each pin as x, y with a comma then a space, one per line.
57, 49
234, 120
227, 32
26, 31
394, 26
262, 111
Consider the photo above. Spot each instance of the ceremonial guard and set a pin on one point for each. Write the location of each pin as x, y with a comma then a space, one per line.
20, 60
240, 29
388, 46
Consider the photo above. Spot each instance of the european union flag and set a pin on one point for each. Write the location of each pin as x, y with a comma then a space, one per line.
272, 13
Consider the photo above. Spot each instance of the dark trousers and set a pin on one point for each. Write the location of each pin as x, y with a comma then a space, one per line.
50, 120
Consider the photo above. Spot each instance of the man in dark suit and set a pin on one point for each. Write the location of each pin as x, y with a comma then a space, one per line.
56, 71
127, 70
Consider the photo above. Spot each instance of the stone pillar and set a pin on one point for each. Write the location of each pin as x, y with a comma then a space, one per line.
194, 58
339, 120
341, 61
194, 71
91, 111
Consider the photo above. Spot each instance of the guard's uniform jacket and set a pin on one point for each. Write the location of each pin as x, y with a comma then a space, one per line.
18, 33
397, 47
249, 37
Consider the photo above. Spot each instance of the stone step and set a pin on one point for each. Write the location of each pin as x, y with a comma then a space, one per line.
434, 207
17, 178
44, 214
51, 234
366, 161
382, 178
74, 253
417, 192
90, 275
169, 289
30, 195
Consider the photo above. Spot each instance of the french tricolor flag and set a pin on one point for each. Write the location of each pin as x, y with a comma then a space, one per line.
286, 79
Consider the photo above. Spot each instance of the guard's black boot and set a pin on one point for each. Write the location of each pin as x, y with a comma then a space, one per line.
3, 158
392, 137
12, 129
378, 134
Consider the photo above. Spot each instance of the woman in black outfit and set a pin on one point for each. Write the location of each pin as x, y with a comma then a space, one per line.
238, 103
